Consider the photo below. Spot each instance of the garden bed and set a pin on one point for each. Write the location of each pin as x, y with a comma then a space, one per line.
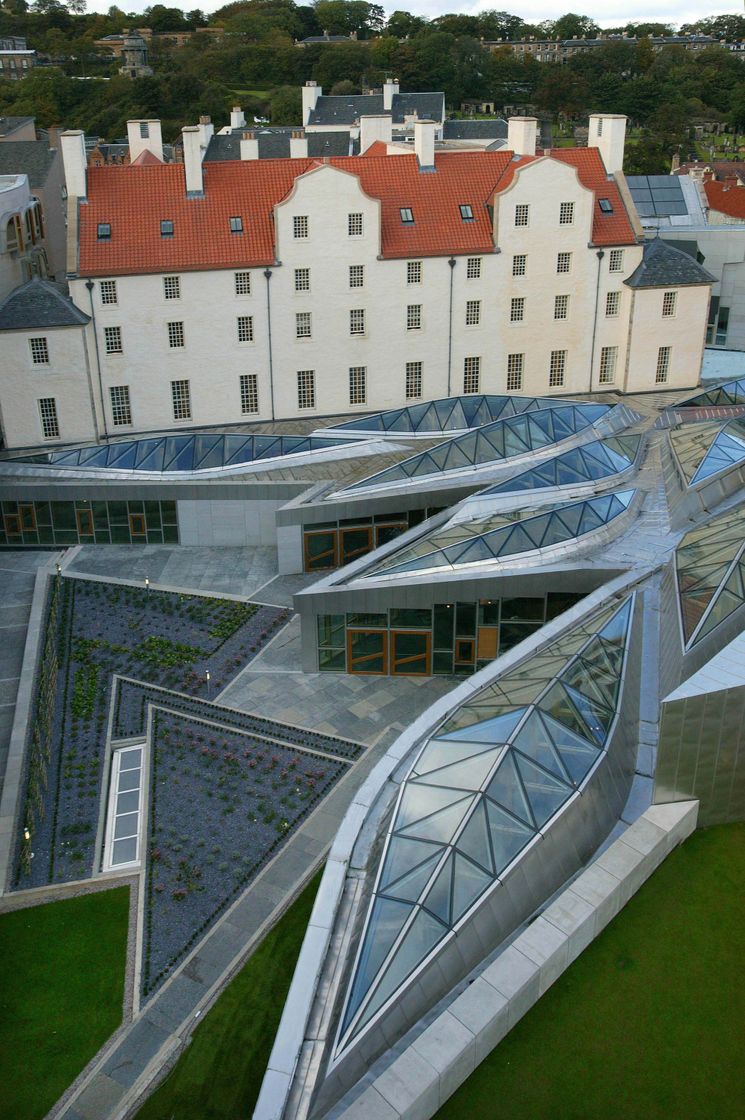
93, 631
245, 796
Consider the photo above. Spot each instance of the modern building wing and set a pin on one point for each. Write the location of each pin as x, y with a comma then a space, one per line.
492, 779
502, 439
728, 393
485, 540
710, 567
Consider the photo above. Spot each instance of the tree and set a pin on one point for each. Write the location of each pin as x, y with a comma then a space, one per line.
77, 7
342, 17
573, 26
285, 106
403, 25
160, 19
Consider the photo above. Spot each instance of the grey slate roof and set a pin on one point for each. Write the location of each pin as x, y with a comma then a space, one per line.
39, 303
27, 157
495, 129
8, 125
663, 266
348, 110
274, 143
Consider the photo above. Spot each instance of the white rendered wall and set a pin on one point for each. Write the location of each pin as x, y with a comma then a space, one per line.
66, 379
684, 332
213, 359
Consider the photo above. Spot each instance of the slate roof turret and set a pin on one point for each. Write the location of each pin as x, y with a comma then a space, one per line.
663, 266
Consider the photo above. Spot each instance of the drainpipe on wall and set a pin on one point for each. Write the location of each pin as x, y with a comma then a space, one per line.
89, 285
451, 262
600, 254
267, 277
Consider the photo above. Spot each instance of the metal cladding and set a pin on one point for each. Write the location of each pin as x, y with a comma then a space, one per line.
703, 450
497, 773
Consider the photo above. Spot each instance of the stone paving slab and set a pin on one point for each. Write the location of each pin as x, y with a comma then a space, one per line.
236, 571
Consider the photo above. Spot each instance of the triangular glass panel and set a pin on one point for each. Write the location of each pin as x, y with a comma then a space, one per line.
386, 921
597, 717
506, 789
546, 793
558, 705
571, 517
615, 630
577, 754
474, 839
153, 461
418, 801
467, 775
578, 676
508, 836
410, 886
403, 855
533, 740
438, 899
469, 881
441, 752
496, 730
441, 826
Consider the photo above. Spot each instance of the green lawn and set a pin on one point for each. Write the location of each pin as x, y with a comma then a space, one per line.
220, 1074
61, 991
649, 1023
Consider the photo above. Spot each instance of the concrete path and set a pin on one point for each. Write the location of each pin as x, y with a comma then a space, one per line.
17, 574
236, 571
365, 709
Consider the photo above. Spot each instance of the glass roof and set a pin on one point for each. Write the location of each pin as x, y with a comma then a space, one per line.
496, 537
729, 392
493, 777
194, 452
710, 566
598, 459
502, 439
446, 415
704, 450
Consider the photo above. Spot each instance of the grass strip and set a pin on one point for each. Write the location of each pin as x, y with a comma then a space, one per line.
648, 1022
61, 991
219, 1076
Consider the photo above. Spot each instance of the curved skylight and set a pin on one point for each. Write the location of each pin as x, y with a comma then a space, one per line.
710, 566
704, 450
728, 393
446, 415
592, 461
197, 451
495, 775
500, 536
503, 439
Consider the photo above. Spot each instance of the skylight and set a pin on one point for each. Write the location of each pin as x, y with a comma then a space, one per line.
103, 231
166, 228
605, 205
466, 212
407, 215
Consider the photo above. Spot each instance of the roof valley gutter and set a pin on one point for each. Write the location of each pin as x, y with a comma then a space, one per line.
89, 286
267, 277
451, 262
600, 254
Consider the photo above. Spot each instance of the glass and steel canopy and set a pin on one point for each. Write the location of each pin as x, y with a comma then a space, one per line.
728, 393
502, 439
592, 461
496, 774
503, 535
197, 451
704, 450
710, 567
446, 415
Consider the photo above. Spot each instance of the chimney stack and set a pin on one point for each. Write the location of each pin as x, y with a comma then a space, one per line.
390, 87
607, 133
424, 144
311, 92
206, 131
193, 161
522, 134
237, 117
75, 163
372, 128
298, 145
144, 136
249, 146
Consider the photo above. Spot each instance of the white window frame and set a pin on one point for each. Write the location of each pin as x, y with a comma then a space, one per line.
39, 350
181, 400
669, 304
413, 388
515, 371
306, 388
176, 336
245, 328
471, 375
519, 264
249, 391
108, 293
615, 260
517, 309
300, 227
171, 287
414, 317
121, 406
522, 214
662, 372
303, 325
557, 369
242, 281
563, 263
473, 268
356, 276
608, 365
302, 279
561, 307
413, 272
612, 304
357, 321
49, 417
566, 213
357, 385
112, 340
473, 312
355, 224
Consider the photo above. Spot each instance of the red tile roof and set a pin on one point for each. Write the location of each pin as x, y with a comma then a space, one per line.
145, 158
726, 199
134, 200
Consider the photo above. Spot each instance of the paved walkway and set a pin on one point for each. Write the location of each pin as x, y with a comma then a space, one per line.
365, 709
234, 571
17, 575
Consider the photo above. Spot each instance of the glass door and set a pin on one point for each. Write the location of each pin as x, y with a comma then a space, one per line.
367, 651
410, 652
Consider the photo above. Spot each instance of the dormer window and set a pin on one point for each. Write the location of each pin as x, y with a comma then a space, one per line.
407, 215
236, 225
466, 212
166, 228
605, 205
104, 231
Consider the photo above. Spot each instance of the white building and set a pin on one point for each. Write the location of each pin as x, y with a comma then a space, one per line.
273, 289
